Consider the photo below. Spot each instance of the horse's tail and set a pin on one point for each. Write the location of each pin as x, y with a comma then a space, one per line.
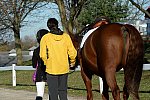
134, 61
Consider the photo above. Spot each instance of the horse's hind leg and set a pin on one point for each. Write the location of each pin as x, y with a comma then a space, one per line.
132, 80
112, 83
130, 89
105, 95
125, 93
87, 80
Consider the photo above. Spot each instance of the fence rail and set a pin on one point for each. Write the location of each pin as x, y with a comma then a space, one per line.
14, 68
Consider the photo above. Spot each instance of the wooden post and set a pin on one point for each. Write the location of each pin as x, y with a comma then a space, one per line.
13, 75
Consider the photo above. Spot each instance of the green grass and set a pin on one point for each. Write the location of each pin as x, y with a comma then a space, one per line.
76, 86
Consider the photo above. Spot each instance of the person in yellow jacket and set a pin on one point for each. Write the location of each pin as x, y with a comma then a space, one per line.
56, 48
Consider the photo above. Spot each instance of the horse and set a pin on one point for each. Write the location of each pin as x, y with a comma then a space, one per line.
108, 49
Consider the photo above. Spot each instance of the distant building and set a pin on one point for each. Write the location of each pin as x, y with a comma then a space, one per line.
31, 50
141, 27
12, 52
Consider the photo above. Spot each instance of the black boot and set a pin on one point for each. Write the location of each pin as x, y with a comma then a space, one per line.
39, 98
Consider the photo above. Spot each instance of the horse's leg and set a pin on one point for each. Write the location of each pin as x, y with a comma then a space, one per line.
88, 84
125, 93
112, 83
133, 82
105, 95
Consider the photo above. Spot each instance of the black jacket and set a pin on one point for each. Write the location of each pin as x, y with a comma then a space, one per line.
40, 72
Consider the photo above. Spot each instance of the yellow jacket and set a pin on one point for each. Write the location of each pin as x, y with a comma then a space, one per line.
55, 50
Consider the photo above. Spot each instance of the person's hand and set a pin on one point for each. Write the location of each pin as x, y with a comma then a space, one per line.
72, 67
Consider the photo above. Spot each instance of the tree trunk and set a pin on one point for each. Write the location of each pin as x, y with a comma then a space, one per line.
62, 12
68, 25
18, 45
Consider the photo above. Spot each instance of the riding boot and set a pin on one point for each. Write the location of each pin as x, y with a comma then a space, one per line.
39, 98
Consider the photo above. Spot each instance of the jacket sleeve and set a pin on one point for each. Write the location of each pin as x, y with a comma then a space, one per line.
71, 51
43, 54
34, 59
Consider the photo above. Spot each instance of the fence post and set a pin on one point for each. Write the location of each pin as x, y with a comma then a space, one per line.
100, 85
13, 75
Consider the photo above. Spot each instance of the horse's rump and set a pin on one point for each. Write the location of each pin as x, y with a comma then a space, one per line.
106, 44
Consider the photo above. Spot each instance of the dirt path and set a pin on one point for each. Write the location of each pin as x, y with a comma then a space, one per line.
9, 94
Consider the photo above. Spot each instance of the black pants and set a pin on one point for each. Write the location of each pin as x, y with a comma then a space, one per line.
57, 86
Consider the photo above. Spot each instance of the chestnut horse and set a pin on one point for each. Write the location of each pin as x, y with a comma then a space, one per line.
108, 49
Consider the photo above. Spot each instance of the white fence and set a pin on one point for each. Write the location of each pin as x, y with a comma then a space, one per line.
14, 68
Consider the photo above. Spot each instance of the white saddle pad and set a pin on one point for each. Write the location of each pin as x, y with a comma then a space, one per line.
86, 36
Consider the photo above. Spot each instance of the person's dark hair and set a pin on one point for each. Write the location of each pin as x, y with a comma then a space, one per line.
40, 34
102, 18
52, 24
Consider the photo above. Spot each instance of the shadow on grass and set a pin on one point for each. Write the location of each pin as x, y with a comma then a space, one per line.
96, 90
5, 84
25, 85
17, 85
71, 88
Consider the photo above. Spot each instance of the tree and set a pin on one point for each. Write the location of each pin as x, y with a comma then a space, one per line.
69, 11
75, 13
12, 15
28, 42
116, 10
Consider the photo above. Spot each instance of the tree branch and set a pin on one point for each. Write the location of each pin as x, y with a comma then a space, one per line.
139, 7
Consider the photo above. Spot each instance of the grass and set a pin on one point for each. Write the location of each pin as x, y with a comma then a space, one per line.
76, 86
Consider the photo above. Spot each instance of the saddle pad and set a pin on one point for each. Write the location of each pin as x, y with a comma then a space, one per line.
86, 36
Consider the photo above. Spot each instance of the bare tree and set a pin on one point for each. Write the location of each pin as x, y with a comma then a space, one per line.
28, 42
138, 8
69, 11
12, 15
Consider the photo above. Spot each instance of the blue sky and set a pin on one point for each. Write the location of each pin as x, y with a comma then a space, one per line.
37, 22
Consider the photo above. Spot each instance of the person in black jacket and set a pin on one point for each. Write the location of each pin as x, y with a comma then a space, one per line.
39, 76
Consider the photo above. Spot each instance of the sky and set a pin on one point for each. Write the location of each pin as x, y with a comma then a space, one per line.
39, 21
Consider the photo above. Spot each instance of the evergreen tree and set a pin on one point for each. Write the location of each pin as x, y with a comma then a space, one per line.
116, 10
